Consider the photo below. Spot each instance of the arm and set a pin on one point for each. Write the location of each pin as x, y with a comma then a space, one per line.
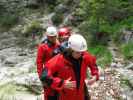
93, 67
39, 60
48, 80
94, 70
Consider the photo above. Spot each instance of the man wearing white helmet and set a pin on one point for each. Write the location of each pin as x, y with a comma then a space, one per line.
71, 68
50, 32
44, 53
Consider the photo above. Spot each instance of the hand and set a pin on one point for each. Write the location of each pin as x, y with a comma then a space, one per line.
69, 84
91, 81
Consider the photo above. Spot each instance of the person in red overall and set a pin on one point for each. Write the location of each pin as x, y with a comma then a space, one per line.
66, 73
44, 53
63, 34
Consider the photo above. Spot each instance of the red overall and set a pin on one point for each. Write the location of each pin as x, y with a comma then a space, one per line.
43, 55
64, 69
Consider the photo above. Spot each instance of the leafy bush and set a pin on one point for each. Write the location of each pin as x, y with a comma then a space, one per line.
94, 36
117, 28
33, 27
109, 31
2, 8
124, 82
103, 16
8, 20
127, 50
57, 18
103, 55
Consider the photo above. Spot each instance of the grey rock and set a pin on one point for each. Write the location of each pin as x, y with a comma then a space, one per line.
130, 66
61, 8
13, 60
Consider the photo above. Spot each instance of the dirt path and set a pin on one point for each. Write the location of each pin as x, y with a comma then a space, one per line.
109, 85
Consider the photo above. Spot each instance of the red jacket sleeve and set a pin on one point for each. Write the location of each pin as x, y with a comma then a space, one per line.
93, 66
47, 76
40, 58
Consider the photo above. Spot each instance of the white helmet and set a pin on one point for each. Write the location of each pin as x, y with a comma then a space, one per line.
77, 43
51, 31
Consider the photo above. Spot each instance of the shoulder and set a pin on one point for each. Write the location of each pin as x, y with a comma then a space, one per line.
87, 54
55, 60
88, 57
42, 45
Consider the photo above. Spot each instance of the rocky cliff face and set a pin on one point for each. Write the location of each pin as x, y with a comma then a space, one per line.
18, 75
19, 3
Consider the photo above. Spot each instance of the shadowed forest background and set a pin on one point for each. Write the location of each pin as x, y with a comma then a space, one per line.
107, 26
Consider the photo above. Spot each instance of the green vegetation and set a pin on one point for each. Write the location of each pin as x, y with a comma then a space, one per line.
8, 20
125, 82
107, 17
33, 27
105, 20
7, 89
57, 18
98, 20
8, 17
103, 55
127, 50
117, 29
26, 36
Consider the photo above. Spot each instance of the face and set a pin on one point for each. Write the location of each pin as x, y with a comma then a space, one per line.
52, 39
76, 55
62, 38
